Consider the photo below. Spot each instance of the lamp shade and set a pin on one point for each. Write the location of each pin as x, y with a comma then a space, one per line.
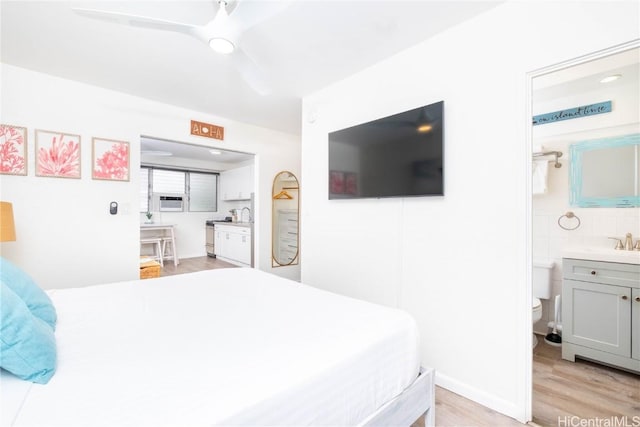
7, 227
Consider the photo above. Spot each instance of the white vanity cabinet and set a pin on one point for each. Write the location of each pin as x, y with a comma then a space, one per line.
236, 184
601, 312
233, 244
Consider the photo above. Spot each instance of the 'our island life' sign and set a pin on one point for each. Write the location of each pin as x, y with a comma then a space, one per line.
573, 113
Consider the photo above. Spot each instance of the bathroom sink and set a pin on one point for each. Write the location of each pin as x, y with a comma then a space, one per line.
602, 254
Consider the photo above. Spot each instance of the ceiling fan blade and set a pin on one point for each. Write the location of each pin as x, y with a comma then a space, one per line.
136, 21
248, 13
250, 72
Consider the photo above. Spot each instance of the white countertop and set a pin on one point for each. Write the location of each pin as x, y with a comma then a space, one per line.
602, 254
235, 224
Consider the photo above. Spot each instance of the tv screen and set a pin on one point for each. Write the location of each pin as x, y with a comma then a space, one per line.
396, 156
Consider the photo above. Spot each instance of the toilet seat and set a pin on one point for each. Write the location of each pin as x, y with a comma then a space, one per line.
536, 303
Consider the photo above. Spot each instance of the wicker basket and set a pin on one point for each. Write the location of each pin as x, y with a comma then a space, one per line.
149, 269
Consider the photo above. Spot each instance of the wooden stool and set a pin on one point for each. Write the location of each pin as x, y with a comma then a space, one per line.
168, 241
157, 247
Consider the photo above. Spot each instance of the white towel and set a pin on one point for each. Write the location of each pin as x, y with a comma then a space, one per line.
539, 184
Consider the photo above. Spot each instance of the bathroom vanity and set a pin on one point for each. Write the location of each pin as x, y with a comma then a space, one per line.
601, 307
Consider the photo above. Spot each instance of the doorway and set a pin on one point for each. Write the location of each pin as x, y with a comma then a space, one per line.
557, 223
215, 184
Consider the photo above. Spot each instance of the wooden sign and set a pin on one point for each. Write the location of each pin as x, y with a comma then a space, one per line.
207, 130
573, 113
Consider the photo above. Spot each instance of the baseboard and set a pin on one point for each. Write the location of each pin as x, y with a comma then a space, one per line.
478, 396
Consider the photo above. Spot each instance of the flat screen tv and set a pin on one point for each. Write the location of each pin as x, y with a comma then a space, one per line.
395, 156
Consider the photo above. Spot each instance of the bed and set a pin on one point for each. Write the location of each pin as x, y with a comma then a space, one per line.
224, 347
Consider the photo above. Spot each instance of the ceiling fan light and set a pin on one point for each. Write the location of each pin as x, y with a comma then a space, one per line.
221, 45
424, 128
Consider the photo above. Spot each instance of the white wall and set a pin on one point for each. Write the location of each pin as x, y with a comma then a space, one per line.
65, 234
459, 263
596, 224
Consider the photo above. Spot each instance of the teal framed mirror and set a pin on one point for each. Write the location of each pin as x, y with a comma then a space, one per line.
605, 172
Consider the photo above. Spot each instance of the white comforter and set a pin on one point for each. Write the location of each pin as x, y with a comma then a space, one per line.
227, 346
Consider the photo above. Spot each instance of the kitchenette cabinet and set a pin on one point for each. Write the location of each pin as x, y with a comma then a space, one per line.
237, 184
233, 244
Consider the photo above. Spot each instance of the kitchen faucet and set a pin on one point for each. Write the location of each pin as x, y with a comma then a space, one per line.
242, 213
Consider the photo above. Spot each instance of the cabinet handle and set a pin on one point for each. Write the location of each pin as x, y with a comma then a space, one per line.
593, 272
637, 299
624, 297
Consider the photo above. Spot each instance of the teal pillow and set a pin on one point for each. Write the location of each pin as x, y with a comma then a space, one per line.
22, 285
27, 343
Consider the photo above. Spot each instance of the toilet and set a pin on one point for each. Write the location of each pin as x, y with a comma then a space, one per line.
541, 289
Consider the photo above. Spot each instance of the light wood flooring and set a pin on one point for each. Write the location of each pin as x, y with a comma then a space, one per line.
560, 388
455, 410
191, 265
563, 389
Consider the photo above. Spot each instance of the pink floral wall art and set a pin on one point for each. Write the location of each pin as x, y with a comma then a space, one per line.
57, 154
13, 150
110, 160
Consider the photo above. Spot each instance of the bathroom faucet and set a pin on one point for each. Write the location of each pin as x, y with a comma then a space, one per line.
628, 243
619, 245
242, 213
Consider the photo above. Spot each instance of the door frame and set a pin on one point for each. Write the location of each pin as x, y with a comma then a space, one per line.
529, 205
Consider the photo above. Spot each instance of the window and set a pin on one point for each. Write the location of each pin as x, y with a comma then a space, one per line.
200, 188
168, 181
201, 198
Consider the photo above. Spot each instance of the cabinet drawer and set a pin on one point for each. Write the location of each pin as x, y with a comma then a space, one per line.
601, 272
233, 229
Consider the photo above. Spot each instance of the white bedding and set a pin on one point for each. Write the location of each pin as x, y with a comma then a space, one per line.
227, 346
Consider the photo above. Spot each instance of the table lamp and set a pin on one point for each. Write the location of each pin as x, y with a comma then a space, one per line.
7, 227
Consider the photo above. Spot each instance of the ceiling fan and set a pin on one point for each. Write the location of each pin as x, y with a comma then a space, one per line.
222, 33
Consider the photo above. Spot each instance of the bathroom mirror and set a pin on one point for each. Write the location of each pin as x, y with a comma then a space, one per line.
605, 172
285, 213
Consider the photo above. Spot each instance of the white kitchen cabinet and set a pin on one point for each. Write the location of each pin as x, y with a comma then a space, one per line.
601, 312
219, 239
237, 184
233, 244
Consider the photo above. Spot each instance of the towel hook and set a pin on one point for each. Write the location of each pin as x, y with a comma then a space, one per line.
569, 215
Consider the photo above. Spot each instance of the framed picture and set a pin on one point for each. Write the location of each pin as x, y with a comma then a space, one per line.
110, 160
351, 183
57, 154
336, 182
13, 150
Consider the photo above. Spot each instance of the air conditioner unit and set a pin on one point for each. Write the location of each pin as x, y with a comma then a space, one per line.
170, 202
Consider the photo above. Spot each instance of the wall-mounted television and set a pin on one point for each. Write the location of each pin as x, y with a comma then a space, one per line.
396, 156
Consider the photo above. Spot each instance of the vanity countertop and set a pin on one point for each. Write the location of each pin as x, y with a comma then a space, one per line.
602, 254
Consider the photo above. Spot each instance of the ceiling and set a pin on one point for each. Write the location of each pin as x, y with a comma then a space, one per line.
154, 150
307, 46
586, 77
